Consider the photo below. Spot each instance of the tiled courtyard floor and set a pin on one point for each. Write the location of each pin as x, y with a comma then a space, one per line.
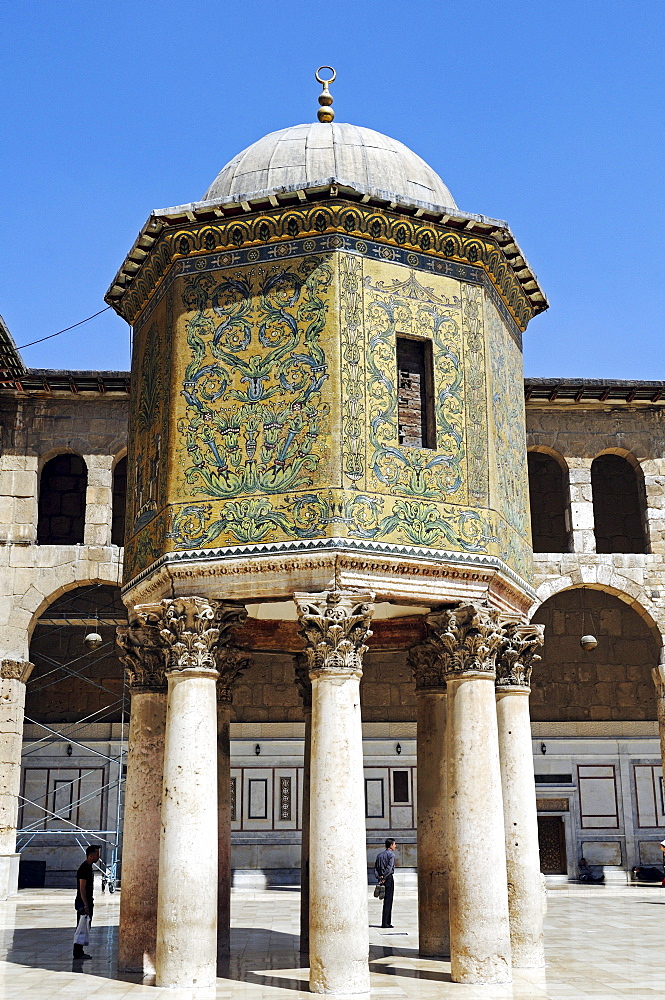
601, 943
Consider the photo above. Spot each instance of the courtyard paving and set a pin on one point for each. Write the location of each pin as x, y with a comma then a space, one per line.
602, 942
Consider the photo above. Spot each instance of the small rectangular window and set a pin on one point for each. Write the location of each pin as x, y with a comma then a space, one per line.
415, 393
400, 786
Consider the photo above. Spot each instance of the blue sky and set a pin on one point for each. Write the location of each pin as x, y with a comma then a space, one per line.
545, 113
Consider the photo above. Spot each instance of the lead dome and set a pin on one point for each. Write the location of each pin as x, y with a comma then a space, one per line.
307, 156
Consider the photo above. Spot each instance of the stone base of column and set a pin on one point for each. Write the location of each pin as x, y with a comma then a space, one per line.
9, 875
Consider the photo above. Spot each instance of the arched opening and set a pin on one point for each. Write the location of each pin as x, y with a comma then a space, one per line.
61, 512
618, 507
75, 726
611, 682
119, 502
549, 502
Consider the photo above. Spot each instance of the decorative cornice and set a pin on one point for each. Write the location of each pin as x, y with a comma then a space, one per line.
490, 250
15, 670
231, 664
143, 652
516, 655
303, 682
335, 625
191, 628
468, 637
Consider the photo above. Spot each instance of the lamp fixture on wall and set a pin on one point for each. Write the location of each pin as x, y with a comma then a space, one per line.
543, 748
257, 749
398, 749
69, 751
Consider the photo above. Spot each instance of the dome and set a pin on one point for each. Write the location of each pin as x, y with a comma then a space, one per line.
307, 156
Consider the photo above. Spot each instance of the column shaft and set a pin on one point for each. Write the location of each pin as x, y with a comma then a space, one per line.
335, 626
525, 891
479, 928
658, 674
141, 832
338, 913
304, 844
13, 677
224, 828
187, 908
433, 909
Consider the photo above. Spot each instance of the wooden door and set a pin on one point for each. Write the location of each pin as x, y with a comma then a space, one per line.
552, 840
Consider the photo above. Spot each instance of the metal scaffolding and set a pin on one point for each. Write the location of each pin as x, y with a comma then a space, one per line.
55, 818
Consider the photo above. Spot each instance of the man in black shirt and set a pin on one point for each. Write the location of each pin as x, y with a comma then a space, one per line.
384, 866
84, 891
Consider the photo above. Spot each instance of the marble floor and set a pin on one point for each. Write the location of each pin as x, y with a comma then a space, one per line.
602, 942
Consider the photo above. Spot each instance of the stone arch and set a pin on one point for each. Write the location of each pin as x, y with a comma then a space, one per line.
69, 681
63, 482
50, 584
612, 682
549, 498
619, 502
604, 577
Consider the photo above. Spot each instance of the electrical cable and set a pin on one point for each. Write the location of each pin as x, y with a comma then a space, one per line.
66, 329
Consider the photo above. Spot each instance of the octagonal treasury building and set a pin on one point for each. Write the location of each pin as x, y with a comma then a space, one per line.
326, 451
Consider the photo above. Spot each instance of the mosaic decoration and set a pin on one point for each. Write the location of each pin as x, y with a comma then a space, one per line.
410, 235
512, 483
266, 418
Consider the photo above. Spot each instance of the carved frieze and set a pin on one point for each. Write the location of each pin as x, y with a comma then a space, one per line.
516, 655
335, 625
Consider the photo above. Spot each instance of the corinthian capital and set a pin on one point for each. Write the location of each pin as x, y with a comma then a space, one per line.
468, 637
191, 628
143, 652
231, 664
335, 625
15, 670
428, 663
517, 653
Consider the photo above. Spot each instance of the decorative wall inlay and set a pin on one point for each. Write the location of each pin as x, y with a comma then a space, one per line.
285, 798
475, 394
397, 237
335, 626
517, 654
15, 670
144, 654
352, 345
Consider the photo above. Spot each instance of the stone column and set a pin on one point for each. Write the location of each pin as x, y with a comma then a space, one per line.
515, 658
335, 626
144, 655
433, 908
98, 499
468, 636
13, 677
231, 663
187, 905
581, 505
304, 686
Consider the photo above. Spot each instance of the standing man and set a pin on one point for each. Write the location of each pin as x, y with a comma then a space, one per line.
84, 891
384, 867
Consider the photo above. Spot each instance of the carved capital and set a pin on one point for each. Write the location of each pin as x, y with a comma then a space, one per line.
516, 655
303, 683
428, 664
15, 670
468, 637
191, 628
231, 664
143, 652
335, 625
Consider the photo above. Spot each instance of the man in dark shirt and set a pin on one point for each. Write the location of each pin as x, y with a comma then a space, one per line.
384, 866
84, 891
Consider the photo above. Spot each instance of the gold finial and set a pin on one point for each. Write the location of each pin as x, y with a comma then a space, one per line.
326, 113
